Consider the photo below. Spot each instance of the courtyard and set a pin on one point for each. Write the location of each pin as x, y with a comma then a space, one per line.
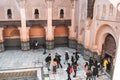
30, 65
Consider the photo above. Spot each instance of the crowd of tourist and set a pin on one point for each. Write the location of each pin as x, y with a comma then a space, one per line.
56, 63
92, 68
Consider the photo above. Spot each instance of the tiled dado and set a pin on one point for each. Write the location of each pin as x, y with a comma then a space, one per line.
6, 75
72, 43
2, 47
25, 45
50, 44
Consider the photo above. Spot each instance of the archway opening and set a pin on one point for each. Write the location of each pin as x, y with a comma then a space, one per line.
61, 36
108, 51
11, 36
37, 33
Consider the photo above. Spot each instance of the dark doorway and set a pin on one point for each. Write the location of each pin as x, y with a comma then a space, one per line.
110, 62
11, 38
108, 51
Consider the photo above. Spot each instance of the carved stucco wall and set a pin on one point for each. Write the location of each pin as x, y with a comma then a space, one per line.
81, 16
9, 4
99, 14
62, 4
41, 5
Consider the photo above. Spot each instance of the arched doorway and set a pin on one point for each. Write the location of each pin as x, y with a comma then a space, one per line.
61, 36
108, 51
37, 33
11, 36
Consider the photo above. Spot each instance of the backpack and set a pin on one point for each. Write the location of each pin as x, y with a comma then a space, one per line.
46, 59
77, 57
89, 74
70, 70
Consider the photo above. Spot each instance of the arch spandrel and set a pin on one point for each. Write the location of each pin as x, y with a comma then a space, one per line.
101, 34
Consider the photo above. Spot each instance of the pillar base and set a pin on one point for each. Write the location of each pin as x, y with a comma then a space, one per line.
80, 47
72, 43
50, 44
25, 46
2, 47
87, 54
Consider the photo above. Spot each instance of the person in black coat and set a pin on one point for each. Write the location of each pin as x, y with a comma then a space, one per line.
90, 62
94, 72
66, 57
58, 59
48, 60
44, 47
68, 71
75, 65
89, 74
76, 56
73, 58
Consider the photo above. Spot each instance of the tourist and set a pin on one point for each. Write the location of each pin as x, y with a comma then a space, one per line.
58, 59
54, 64
48, 60
44, 47
73, 58
89, 74
94, 72
66, 57
69, 71
86, 67
36, 44
75, 68
76, 56
109, 64
90, 62
105, 62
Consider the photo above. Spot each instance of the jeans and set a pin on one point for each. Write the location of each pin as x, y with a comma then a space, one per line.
48, 64
93, 77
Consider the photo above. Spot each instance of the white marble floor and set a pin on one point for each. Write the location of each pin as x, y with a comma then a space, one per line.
16, 59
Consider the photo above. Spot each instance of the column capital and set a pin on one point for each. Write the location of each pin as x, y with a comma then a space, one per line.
21, 3
49, 2
73, 3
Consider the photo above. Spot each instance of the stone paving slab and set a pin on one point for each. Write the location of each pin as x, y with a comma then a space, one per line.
34, 58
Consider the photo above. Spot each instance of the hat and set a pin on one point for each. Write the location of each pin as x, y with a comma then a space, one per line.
66, 51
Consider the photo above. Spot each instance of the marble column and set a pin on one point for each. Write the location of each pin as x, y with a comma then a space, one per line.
87, 52
87, 38
116, 63
1, 40
72, 32
24, 31
49, 28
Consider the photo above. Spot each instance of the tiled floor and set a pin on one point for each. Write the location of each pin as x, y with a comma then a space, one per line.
16, 59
